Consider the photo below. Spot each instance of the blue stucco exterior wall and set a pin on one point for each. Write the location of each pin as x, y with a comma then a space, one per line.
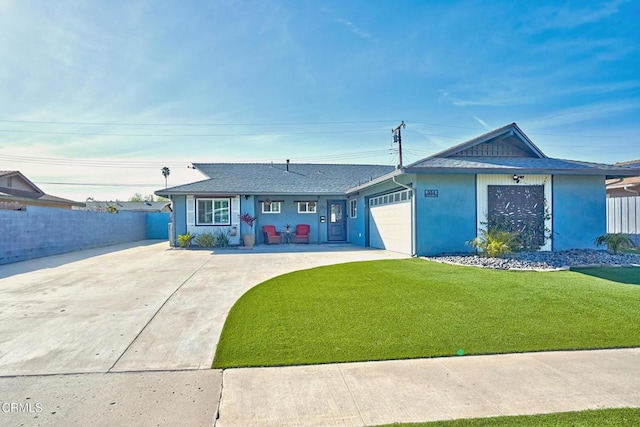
355, 226
179, 216
289, 215
445, 223
39, 232
579, 211
158, 225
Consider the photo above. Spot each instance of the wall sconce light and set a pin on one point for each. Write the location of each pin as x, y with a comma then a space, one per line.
517, 178
246, 197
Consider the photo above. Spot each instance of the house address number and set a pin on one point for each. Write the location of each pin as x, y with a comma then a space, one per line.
430, 193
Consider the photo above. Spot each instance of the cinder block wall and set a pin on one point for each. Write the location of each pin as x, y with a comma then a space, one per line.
39, 232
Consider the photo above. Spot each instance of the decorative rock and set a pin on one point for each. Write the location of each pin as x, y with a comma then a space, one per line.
544, 261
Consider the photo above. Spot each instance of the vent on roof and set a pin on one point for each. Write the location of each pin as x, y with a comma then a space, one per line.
287, 165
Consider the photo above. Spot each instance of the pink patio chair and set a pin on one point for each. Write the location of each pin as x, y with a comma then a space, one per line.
302, 233
271, 236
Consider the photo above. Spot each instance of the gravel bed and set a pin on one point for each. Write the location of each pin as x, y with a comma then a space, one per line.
561, 260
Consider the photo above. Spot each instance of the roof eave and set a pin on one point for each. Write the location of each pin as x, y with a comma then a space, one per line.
250, 193
375, 181
507, 170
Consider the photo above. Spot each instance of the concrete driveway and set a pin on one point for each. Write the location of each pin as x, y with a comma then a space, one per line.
126, 334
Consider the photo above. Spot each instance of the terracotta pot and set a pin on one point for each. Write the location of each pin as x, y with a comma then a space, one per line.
249, 240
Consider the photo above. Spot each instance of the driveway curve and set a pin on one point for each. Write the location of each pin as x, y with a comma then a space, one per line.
142, 307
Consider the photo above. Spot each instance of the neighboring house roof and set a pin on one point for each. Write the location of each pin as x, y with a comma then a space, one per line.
630, 163
507, 150
5, 175
130, 206
274, 178
28, 192
628, 186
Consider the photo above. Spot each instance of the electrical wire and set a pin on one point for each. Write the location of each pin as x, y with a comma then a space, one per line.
193, 124
206, 135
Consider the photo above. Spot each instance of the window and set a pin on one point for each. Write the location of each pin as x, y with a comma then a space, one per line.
307, 207
270, 207
353, 208
213, 211
399, 196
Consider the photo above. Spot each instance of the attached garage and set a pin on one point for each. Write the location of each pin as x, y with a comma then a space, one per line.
390, 221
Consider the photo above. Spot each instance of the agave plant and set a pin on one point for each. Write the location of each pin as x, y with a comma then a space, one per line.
614, 242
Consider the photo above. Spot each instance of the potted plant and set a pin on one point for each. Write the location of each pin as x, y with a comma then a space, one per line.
249, 239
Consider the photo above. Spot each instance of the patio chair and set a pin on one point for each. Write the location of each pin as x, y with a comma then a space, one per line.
271, 236
302, 233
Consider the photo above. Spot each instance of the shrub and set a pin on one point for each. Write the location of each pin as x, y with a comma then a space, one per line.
205, 240
184, 240
614, 242
221, 239
494, 242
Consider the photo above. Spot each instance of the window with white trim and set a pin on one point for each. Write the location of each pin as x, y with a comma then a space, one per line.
271, 207
213, 211
307, 207
353, 208
397, 197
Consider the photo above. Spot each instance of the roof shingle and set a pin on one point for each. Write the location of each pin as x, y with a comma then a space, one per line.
268, 178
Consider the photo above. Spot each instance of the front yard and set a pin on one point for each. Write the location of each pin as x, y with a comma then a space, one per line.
382, 310
601, 418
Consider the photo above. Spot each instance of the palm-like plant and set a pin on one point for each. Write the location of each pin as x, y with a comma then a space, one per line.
165, 172
614, 242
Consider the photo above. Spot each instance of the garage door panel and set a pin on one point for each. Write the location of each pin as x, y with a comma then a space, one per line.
390, 226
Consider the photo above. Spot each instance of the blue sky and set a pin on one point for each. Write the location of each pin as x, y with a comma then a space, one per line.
108, 92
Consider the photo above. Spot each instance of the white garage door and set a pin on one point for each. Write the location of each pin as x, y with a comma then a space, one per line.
390, 222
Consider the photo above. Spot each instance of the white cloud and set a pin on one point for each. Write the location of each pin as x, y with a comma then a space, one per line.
482, 122
567, 17
355, 29
582, 113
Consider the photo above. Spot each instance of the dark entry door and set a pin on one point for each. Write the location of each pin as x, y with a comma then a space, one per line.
519, 209
337, 224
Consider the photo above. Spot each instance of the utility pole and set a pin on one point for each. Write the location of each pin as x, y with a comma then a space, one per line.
397, 137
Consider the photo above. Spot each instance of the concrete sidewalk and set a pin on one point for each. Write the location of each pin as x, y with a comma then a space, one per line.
374, 393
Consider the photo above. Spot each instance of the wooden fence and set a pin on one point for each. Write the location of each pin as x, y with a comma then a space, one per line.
623, 216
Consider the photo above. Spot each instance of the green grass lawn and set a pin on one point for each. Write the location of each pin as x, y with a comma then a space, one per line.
397, 309
601, 418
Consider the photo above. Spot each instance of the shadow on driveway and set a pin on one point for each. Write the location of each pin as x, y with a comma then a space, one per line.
26, 266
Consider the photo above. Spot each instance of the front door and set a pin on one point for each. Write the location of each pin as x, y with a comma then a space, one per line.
337, 223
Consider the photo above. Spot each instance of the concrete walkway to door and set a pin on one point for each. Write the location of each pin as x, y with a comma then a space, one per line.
127, 334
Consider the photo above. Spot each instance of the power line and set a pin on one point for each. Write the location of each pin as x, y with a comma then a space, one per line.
226, 135
84, 184
190, 124
173, 164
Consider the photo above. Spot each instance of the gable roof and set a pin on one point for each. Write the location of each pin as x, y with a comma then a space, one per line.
507, 150
277, 178
24, 179
507, 141
12, 194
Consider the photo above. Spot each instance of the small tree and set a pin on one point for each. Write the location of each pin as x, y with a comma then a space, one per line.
165, 172
494, 242
138, 197
614, 242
